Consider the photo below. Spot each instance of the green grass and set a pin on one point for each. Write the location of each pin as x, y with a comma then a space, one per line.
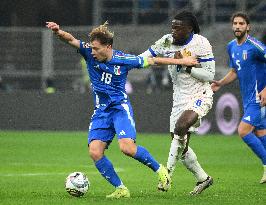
34, 166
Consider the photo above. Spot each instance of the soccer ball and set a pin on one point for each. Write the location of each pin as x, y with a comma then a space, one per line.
77, 184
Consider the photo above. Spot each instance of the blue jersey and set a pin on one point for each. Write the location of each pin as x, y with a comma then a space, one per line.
108, 79
249, 62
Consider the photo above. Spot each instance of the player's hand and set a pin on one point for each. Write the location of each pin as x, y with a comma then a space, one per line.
188, 61
262, 96
178, 55
53, 26
216, 85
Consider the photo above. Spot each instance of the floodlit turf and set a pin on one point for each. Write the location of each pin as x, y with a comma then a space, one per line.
34, 166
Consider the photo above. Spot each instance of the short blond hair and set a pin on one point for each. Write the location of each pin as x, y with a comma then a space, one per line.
102, 34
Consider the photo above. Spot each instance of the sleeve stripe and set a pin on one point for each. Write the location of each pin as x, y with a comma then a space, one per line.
126, 57
152, 52
257, 45
206, 59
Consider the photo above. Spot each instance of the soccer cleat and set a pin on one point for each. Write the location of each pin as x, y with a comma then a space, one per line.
164, 179
119, 193
263, 179
200, 186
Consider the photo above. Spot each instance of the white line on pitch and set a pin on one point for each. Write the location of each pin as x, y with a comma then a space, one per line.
49, 173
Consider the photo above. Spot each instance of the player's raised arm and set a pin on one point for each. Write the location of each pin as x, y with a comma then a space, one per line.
63, 35
188, 61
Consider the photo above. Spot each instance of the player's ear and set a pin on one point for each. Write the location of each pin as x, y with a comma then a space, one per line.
248, 27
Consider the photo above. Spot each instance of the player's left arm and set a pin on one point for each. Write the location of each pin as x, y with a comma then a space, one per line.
205, 70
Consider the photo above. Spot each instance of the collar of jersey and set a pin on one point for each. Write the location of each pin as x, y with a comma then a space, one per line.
188, 40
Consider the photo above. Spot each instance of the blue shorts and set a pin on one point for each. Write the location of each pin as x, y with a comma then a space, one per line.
254, 115
114, 120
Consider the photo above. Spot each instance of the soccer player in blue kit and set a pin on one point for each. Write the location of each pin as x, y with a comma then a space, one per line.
113, 114
248, 62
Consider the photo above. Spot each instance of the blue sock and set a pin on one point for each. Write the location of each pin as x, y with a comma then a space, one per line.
106, 169
143, 156
257, 147
263, 140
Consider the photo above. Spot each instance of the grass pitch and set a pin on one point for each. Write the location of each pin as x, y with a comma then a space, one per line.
34, 165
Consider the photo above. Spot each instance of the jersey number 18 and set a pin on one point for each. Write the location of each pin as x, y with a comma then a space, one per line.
106, 78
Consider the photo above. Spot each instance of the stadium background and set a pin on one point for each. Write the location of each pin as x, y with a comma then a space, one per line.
30, 55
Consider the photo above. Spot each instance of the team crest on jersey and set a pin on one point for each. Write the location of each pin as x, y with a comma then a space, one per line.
245, 54
186, 53
117, 70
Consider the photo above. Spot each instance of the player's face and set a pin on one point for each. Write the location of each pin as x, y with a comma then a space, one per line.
180, 32
99, 51
240, 27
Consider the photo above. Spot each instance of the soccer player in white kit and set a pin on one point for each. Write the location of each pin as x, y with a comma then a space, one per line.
192, 96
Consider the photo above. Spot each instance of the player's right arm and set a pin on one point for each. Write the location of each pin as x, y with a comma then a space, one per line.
63, 35
230, 77
187, 61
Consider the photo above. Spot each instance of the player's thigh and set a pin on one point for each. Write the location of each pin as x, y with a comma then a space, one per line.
252, 115
176, 112
200, 103
124, 123
101, 127
188, 117
244, 128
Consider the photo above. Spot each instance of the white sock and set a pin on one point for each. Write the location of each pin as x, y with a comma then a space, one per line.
190, 161
175, 152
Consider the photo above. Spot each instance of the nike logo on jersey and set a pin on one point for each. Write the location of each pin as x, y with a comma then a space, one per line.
247, 118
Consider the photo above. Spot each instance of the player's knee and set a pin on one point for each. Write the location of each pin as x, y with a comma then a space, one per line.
95, 154
127, 148
181, 129
242, 132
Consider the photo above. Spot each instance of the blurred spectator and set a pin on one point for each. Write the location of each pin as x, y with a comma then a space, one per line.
158, 79
82, 84
1, 84
180, 3
145, 5
196, 6
49, 86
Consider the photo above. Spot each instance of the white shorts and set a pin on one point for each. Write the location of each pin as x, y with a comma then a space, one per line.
200, 103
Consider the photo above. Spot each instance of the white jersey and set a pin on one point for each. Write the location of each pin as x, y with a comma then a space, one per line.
189, 93
183, 83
